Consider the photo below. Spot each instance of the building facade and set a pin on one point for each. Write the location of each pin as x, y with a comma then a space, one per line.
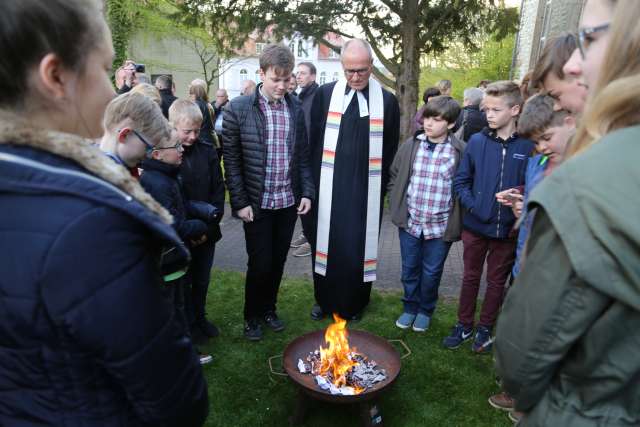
539, 21
245, 65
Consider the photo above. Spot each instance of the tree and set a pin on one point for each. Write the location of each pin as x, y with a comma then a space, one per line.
399, 31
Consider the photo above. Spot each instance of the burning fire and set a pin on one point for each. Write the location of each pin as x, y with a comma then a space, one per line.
336, 358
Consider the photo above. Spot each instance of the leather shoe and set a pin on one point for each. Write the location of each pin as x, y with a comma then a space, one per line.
316, 312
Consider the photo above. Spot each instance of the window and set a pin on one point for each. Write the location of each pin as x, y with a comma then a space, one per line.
243, 75
292, 46
259, 48
333, 54
336, 76
323, 78
302, 50
256, 76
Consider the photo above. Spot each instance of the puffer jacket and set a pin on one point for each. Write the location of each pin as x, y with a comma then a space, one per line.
245, 152
488, 166
567, 339
86, 336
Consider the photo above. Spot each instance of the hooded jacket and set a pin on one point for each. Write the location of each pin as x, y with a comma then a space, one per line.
567, 339
490, 165
86, 336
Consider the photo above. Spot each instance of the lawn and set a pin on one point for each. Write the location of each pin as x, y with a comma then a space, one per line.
436, 387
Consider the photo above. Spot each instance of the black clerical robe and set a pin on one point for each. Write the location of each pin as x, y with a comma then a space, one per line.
342, 290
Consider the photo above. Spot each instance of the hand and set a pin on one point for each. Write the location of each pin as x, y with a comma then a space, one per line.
305, 206
199, 241
245, 214
506, 197
517, 207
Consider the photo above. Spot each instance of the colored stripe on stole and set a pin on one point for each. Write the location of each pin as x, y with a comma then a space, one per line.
328, 159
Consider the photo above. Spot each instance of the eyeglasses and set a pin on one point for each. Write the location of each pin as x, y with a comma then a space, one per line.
360, 72
585, 37
178, 146
148, 148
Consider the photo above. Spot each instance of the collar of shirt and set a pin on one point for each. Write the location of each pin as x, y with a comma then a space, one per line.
267, 100
431, 146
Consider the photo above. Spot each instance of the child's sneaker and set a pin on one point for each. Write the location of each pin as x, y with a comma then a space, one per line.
459, 334
483, 342
421, 323
405, 320
502, 401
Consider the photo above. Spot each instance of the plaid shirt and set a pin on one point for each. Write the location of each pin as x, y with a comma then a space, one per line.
277, 183
429, 191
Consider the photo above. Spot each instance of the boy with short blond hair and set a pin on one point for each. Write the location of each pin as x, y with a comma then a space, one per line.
423, 207
495, 159
202, 181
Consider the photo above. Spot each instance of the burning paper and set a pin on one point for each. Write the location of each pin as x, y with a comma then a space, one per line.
339, 368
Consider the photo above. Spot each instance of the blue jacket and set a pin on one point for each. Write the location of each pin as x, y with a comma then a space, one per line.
86, 336
490, 165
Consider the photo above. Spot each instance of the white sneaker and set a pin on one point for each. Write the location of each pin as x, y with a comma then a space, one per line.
205, 358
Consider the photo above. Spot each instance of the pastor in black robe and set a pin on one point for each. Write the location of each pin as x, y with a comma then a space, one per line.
342, 290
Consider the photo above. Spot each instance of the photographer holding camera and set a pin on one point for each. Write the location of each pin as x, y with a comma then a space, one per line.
130, 70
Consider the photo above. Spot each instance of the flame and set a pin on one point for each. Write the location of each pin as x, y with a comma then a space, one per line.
336, 358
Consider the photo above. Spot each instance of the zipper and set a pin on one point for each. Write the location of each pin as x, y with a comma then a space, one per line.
61, 171
504, 153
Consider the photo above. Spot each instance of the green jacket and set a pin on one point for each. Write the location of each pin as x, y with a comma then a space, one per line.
568, 339
399, 177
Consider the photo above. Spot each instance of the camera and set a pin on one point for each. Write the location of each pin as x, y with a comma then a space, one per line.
140, 68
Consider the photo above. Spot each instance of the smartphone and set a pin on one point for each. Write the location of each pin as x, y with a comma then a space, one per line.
513, 197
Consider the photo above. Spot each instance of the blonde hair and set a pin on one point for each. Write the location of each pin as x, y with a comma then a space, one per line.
507, 90
149, 91
198, 88
141, 112
615, 100
184, 109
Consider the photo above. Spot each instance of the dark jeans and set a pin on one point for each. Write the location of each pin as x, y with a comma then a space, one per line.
500, 255
268, 239
197, 281
174, 293
422, 266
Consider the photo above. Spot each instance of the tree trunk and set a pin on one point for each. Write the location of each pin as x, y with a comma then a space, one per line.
407, 80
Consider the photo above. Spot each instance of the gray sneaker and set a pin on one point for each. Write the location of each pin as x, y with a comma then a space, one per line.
304, 250
405, 320
299, 241
421, 323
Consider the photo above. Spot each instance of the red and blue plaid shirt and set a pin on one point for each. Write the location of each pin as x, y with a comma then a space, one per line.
278, 193
429, 193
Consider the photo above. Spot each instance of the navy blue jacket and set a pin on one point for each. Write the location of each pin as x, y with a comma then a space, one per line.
161, 181
490, 165
86, 336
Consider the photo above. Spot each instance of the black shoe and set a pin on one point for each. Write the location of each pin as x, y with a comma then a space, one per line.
316, 312
197, 336
252, 330
272, 320
208, 328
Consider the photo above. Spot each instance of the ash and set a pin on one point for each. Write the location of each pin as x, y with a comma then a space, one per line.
361, 377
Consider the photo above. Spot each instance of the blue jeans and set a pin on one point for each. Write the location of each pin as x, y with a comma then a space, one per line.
422, 266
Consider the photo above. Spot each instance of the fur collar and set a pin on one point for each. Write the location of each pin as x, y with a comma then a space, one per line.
16, 131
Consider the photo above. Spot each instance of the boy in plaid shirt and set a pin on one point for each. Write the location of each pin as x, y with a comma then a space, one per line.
424, 209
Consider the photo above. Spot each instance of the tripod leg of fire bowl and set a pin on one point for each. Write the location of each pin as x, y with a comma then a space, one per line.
370, 415
300, 410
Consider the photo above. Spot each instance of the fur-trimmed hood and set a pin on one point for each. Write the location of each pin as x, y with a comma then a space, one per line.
16, 131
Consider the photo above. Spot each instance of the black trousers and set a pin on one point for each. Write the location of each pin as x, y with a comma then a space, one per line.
268, 239
197, 281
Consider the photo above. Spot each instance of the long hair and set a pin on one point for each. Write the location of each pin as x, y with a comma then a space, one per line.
615, 100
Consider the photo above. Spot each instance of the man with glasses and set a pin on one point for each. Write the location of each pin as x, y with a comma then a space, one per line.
354, 132
128, 149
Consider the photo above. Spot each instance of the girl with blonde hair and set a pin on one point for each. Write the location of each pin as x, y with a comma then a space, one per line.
567, 339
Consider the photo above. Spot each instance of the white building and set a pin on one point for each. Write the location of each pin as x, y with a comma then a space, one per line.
245, 66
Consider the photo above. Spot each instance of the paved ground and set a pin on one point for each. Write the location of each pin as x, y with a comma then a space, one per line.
231, 255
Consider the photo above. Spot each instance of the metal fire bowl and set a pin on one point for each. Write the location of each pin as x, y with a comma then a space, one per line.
372, 346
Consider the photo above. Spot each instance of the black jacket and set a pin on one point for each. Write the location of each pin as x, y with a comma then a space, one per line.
161, 181
206, 129
245, 152
306, 98
167, 99
474, 122
86, 335
202, 181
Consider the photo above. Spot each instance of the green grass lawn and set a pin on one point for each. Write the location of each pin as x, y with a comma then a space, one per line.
436, 387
